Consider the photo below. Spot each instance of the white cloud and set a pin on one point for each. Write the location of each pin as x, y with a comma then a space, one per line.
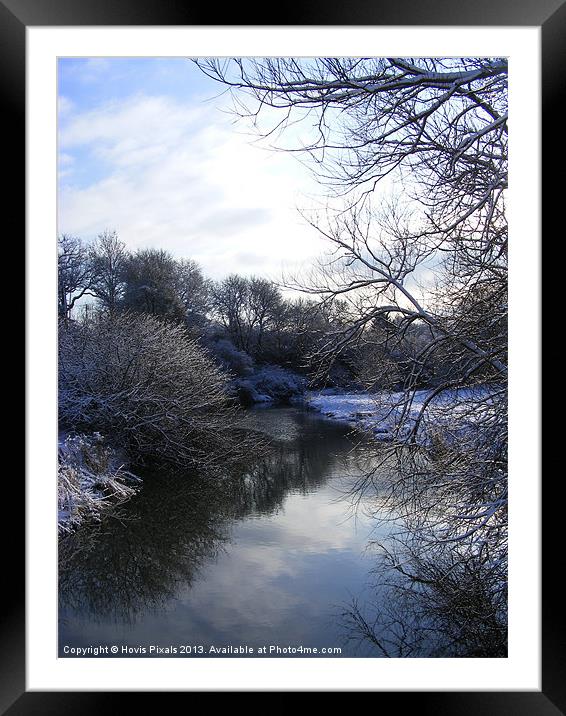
177, 176
64, 106
89, 70
65, 159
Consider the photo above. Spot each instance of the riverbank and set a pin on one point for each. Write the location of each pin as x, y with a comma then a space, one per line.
386, 414
262, 558
91, 478
270, 385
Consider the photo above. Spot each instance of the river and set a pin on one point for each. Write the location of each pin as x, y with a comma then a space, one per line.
270, 558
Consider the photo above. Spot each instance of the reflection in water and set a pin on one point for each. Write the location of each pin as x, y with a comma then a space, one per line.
298, 464
133, 560
268, 554
429, 596
261, 555
449, 610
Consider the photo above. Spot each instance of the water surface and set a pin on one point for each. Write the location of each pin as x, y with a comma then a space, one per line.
269, 557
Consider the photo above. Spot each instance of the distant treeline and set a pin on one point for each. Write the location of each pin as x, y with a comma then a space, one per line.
246, 323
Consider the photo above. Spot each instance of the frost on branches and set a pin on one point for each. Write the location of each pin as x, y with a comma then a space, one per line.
90, 479
149, 388
418, 266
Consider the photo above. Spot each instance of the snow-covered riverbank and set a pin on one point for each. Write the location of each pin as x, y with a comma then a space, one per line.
384, 414
91, 477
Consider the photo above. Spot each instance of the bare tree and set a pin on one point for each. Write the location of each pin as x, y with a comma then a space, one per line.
229, 298
194, 291
108, 256
430, 262
75, 274
155, 392
264, 304
247, 307
439, 126
152, 284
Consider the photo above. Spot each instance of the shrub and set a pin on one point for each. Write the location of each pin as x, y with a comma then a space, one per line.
237, 362
90, 478
148, 387
271, 383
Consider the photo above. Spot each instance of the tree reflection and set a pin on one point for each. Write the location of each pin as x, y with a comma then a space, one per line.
136, 557
437, 606
140, 555
435, 593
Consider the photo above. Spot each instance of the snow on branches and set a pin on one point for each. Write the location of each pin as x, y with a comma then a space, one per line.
149, 387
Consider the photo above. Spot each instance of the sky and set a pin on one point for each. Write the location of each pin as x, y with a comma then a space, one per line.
148, 148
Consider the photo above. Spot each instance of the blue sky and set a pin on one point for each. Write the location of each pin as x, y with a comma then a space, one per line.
147, 148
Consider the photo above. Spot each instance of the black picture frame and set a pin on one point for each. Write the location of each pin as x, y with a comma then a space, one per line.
15, 17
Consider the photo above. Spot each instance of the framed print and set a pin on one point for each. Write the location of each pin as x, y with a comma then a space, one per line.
267, 355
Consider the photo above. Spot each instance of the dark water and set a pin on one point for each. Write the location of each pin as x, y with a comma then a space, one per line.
268, 558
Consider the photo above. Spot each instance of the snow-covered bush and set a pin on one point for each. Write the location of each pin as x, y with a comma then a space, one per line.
279, 383
91, 476
271, 383
143, 383
237, 362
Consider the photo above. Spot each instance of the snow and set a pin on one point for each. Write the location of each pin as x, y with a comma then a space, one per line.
91, 477
387, 415
271, 384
